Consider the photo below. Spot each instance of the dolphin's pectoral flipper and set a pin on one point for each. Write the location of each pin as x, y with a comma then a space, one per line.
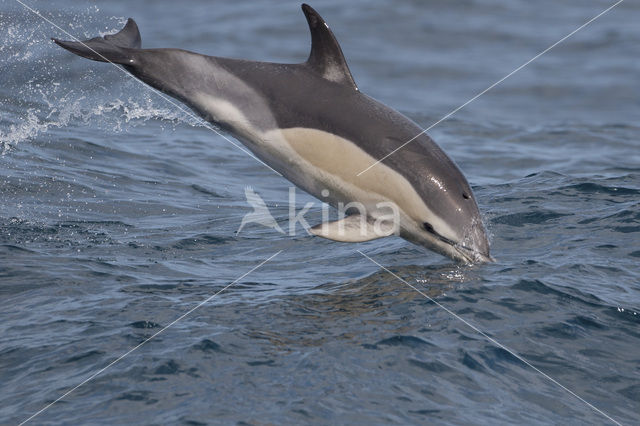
326, 56
110, 48
355, 228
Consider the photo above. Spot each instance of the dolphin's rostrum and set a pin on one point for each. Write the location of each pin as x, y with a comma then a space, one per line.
310, 122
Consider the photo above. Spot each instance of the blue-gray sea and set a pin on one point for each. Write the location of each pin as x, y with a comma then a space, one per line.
118, 215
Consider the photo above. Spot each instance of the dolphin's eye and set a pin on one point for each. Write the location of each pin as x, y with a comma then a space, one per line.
465, 196
428, 227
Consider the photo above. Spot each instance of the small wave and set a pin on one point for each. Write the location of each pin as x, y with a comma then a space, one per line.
526, 218
144, 324
595, 188
207, 345
400, 340
137, 396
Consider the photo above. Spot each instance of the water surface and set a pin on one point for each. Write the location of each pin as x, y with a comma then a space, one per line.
118, 214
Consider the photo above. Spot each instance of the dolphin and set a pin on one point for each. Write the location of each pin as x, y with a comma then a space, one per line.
310, 122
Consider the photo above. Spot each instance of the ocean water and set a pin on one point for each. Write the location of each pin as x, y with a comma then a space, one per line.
118, 214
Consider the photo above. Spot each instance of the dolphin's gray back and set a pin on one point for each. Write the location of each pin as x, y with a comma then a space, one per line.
317, 94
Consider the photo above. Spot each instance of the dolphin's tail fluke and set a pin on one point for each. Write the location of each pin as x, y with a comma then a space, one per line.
114, 48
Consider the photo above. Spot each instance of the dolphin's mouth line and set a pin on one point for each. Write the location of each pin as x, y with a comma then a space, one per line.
468, 252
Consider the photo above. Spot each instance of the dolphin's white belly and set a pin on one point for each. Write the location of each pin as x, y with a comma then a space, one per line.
319, 160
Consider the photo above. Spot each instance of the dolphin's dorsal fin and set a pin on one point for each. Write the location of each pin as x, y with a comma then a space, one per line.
326, 56
129, 36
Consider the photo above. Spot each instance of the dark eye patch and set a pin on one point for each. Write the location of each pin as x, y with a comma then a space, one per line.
428, 227
465, 196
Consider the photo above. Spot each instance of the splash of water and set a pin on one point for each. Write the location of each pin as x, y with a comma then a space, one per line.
37, 95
